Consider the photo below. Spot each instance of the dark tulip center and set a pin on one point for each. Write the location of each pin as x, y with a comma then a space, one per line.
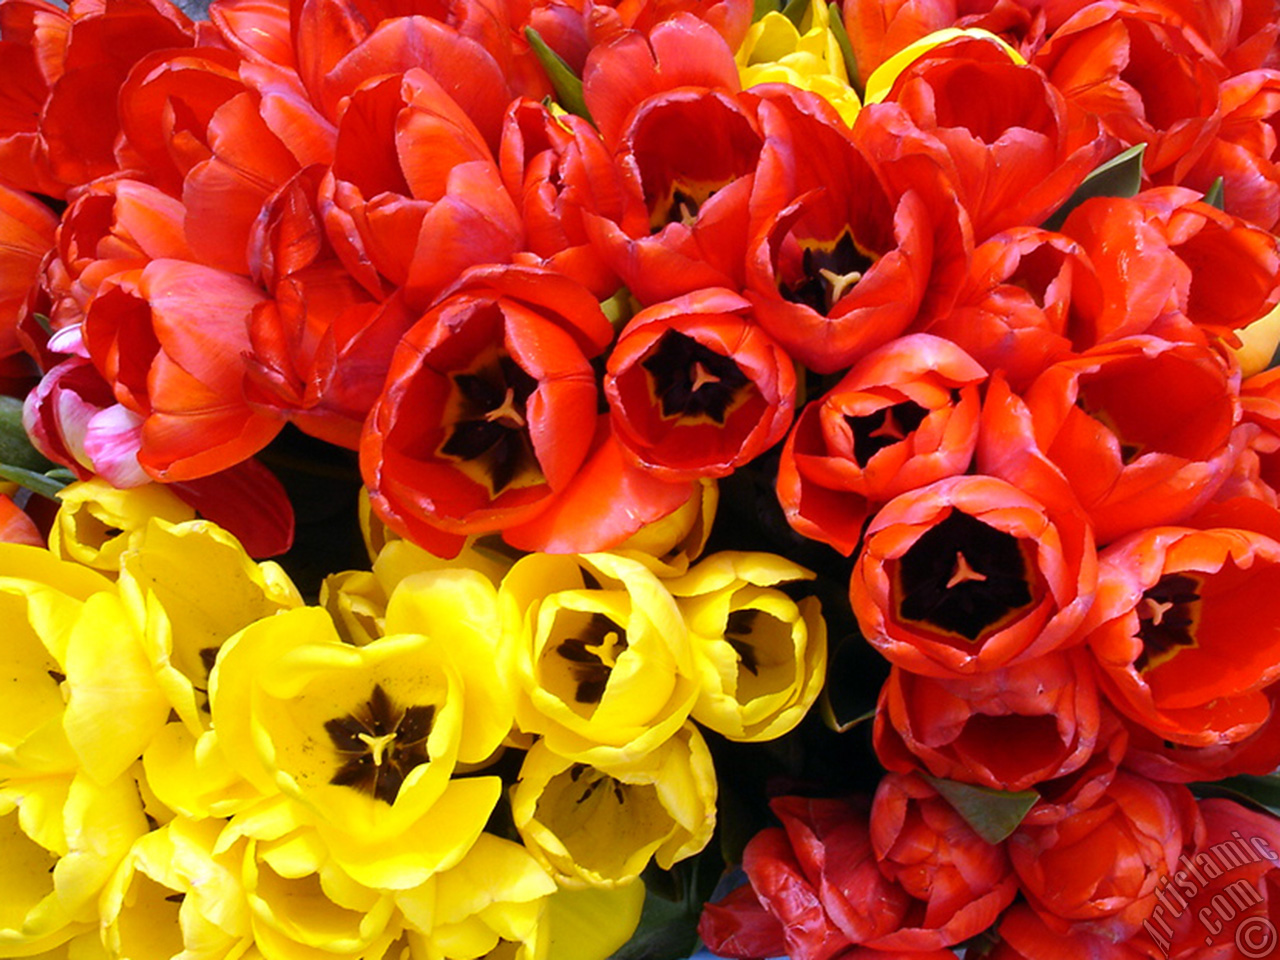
592, 653
1167, 616
591, 780
963, 577
690, 380
875, 431
827, 273
487, 423
379, 743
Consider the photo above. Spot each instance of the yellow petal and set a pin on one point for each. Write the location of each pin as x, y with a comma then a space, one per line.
97, 523
882, 77
592, 924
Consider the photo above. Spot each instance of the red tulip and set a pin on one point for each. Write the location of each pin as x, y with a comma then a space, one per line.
112, 226
558, 169
1148, 80
970, 574
687, 159
1023, 294
1144, 429
414, 197
480, 422
1002, 139
959, 882
837, 266
1097, 872
696, 389
904, 416
1007, 729
33, 41
321, 346
16, 526
1180, 632
26, 236
170, 339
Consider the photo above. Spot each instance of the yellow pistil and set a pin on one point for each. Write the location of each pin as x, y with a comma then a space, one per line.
377, 745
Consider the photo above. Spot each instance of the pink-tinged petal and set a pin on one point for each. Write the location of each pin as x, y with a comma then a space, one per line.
111, 443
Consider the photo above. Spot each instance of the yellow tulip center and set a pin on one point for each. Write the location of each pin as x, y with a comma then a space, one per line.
592, 655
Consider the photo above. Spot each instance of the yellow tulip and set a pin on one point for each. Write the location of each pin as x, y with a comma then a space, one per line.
592, 924
61, 838
495, 896
808, 57
1258, 343
762, 656
601, 825
304, 907
189, 587
670, 545
361, 741
173, 895
357, 603
600, 653
96, 522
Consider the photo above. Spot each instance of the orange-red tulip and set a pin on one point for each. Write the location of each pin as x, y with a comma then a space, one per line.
1097, 872
1181, 632
1006, 729
413, 197
997, 135
321, 345
1148, 80
696, 389
959, 882
1145, 430
170, 339
970, 574
1024, 291
26, 236
837, 266
481, 420
904, 416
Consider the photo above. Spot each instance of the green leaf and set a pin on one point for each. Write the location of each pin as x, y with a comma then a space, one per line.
846, 48
993, 814
1214, 195
39, 483
1121, 176
1260, 791
763, 7
15, 447
673, 902
567, 85
795, 11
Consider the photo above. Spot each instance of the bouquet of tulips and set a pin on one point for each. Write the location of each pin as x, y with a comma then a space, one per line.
569, 479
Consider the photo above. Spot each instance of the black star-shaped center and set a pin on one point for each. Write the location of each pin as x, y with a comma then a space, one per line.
379, 744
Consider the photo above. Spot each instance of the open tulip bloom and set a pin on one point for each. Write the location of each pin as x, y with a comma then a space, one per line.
639, 479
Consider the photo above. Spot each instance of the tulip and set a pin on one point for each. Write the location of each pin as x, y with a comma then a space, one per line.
357, 744
26, 235
601, 654
961, 881
173, 892
1171, 603
904, 416
500, 385
970, 574
97, 523
695, 389
1144, 429
169, 339
601, 825
761, 655
1098, 869
497, 895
